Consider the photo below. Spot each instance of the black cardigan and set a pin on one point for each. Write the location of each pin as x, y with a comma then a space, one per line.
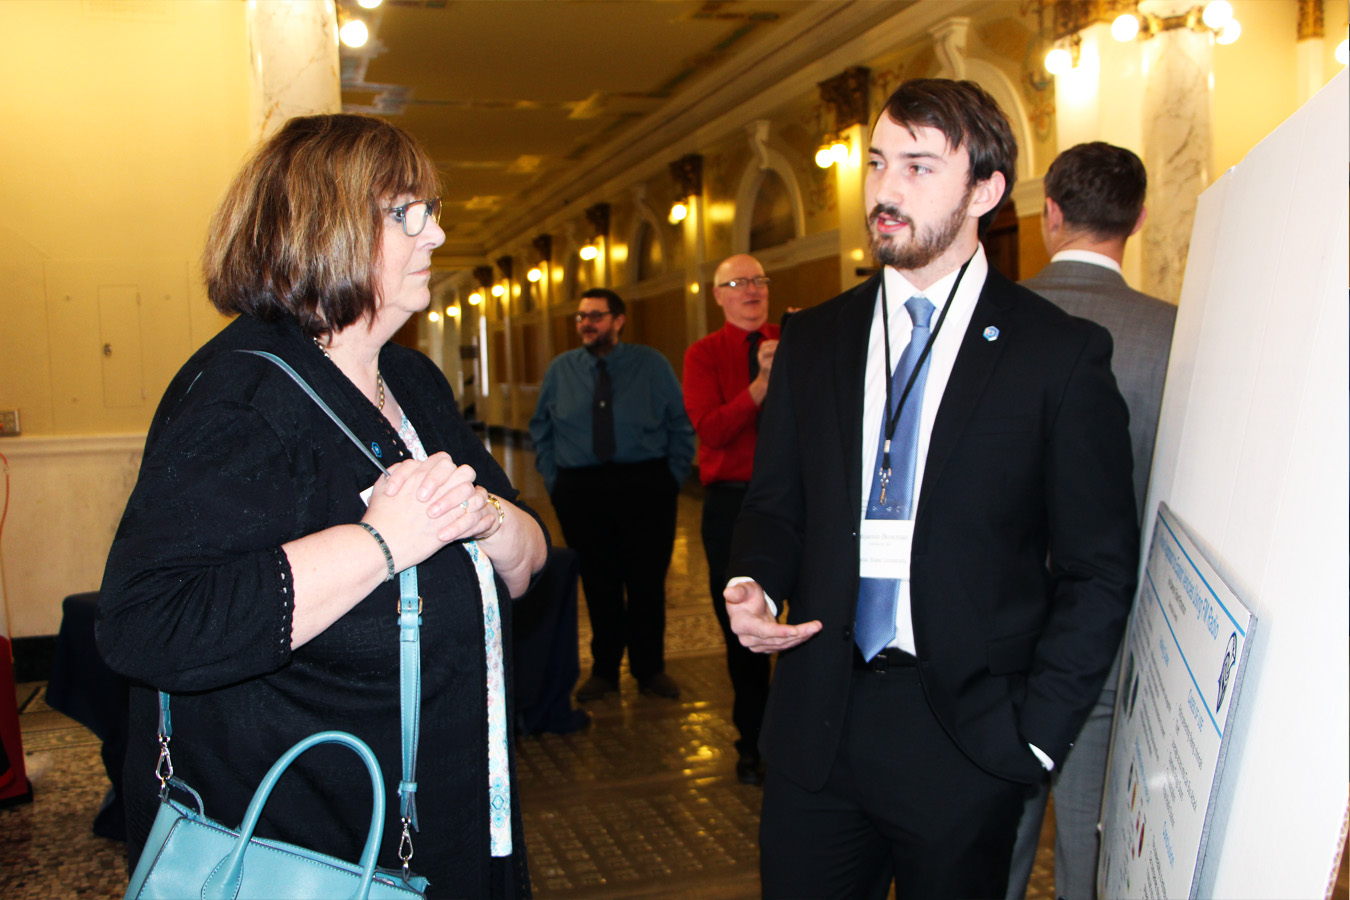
196, 600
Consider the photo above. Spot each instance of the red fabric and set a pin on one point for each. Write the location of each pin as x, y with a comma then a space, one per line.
716, 396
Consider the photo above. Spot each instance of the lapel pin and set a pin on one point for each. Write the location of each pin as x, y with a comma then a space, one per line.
991, 333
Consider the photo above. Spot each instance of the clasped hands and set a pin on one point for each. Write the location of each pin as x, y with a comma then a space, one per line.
421, 505
756, 626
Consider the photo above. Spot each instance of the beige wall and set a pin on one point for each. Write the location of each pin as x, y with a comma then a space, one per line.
122, 129
122, 126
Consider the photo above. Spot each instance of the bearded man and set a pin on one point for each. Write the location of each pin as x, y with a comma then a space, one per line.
942, 498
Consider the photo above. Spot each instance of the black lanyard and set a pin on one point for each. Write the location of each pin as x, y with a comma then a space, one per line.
892, 419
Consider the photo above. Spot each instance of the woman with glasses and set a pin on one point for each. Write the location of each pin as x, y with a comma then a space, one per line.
254, 574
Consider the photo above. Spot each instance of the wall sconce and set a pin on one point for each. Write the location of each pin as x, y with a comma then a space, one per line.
687, 173
433, 317
535, 274
1071, 17
475, 298
589, 252
1343, 52
498, 290
353, 31
1063, 57
368, 4
834, 150
452, 312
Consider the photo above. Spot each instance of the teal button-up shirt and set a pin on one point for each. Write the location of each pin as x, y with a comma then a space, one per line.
649, 417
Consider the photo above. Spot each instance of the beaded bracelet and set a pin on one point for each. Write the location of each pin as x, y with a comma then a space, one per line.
384, 548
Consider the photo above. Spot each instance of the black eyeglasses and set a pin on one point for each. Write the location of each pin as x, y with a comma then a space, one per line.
414, 214
593, 316
737, 284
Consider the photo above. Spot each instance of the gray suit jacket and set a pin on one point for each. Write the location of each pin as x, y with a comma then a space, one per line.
1141, 329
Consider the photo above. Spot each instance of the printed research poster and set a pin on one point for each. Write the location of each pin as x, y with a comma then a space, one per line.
1180, 680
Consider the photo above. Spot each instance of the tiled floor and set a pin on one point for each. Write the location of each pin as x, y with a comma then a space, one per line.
643, 803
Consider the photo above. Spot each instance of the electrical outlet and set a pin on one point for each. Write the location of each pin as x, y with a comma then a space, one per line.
9, 422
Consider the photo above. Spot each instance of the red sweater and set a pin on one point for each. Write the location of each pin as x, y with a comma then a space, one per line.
717, 398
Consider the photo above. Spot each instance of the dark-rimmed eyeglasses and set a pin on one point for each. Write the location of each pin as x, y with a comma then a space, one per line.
736, 284
594, 316
414, 214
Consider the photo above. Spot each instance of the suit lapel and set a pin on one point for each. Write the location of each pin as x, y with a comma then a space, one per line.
850, 369
974, 366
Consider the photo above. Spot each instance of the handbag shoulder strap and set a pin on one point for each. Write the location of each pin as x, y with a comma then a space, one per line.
409, 622
410, 656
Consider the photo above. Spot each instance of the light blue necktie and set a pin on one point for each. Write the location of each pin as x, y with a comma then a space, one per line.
874, 625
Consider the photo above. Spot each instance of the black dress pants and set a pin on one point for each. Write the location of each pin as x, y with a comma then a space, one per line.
620, 517
749, 671
902, 803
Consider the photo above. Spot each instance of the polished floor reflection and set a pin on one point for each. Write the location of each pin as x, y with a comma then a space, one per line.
643, 803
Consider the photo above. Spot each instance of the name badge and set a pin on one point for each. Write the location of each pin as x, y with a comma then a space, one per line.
885, 548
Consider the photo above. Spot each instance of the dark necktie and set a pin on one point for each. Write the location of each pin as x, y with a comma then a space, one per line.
874, 624
602, 414
753, 339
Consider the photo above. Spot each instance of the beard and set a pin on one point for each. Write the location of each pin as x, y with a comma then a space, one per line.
924, 245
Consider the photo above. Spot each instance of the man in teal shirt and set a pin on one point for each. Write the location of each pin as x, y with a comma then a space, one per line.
613, 443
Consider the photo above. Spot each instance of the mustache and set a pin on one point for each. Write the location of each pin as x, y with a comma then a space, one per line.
886, 209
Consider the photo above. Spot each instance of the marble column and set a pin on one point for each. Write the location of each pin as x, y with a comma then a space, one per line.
1177, 67
293, 58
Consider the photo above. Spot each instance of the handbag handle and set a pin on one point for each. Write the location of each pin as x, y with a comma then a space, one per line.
226, 878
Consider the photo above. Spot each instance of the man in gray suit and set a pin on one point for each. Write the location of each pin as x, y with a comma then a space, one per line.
1094, 201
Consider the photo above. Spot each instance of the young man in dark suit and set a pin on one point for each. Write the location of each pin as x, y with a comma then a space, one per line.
1094, 202
941, 496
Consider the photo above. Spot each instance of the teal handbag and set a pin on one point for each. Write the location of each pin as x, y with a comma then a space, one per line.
190, 855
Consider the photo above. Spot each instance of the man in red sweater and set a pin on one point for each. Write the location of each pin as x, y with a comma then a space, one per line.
726, 376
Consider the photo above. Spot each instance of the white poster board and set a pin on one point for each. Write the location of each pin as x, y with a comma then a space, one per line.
1251, 454
1180, 681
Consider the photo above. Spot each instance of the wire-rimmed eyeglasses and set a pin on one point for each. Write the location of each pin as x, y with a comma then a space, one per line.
594, 316
414, 214
736, 284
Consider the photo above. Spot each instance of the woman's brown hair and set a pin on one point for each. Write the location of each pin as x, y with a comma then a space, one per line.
298, 232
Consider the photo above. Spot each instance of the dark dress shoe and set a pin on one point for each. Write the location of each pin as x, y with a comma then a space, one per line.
660, 685
750, 770
596, 687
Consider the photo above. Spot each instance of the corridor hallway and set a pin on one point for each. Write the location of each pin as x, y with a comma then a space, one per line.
642, 804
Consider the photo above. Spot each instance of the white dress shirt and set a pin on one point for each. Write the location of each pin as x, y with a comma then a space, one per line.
1089, 257
941, 360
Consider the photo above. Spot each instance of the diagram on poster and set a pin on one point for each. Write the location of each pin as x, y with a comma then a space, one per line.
1181, 678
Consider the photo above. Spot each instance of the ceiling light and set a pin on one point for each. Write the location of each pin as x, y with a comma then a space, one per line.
678, 212
498, 290
1125, 27
433, 317
475, 299
1343, 52
1217, 14
590, 251
534, 274
354, 33
1058, 61
369, 4
1231, 31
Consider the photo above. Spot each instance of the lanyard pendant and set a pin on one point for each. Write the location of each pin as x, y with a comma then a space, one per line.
885, 473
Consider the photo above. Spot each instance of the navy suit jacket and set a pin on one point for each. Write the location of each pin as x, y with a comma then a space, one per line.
1025, 543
